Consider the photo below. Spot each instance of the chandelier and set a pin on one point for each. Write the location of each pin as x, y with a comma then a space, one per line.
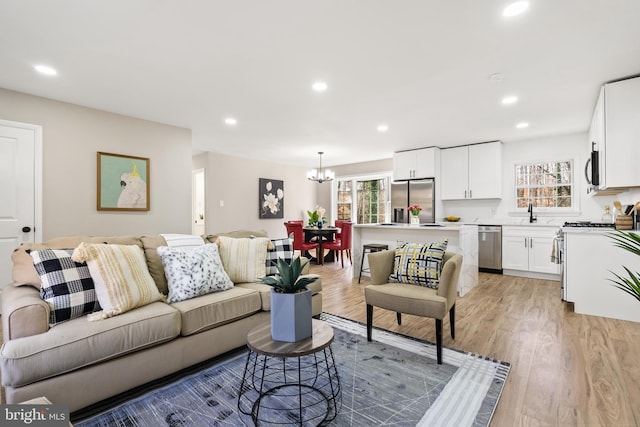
320, 175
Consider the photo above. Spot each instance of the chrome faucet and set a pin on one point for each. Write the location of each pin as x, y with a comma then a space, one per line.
531, 217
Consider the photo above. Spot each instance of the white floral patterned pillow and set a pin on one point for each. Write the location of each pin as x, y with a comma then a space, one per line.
192, 272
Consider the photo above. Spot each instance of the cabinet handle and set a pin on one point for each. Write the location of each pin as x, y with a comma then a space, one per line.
531, 242
525, 242
471, 194
465, 194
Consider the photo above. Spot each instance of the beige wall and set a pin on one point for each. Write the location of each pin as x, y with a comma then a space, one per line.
234, 180
71, 137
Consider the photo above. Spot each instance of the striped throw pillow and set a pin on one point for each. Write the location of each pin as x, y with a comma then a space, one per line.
243, 259
419, 264
120, 276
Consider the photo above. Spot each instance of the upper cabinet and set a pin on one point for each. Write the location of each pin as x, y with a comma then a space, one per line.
615, 128
415, 164
471, 172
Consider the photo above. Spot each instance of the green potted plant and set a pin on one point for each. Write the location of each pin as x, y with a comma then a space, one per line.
628, 241
290, 301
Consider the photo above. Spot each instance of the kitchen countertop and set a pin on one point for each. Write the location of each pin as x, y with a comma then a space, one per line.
439, 226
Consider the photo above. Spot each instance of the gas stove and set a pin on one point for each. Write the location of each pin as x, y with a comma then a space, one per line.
589, 224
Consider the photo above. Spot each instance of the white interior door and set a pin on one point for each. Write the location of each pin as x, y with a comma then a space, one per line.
20, 193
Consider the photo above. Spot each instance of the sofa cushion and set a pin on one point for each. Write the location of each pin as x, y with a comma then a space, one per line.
238, 234
419, 264
150, 244
281, 248
192, 272
212, 310
24, 273
66, 285
120, 275
243, 259
77, 343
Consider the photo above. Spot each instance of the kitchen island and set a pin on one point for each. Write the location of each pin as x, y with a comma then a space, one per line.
590, 261
463, 238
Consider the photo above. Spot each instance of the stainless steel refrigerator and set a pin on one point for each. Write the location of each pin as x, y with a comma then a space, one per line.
414, 192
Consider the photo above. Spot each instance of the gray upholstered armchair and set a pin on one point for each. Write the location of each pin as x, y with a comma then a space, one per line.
413, 299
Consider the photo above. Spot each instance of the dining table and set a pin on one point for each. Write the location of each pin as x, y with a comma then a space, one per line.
320, 236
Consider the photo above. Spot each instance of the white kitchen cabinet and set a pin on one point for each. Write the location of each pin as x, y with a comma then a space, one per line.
528, 249
471, 172
415, 164
615, 129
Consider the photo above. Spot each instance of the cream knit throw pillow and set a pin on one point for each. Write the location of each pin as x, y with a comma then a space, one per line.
243, 259
120, 276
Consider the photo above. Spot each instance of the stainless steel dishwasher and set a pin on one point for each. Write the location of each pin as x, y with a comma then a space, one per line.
490, 248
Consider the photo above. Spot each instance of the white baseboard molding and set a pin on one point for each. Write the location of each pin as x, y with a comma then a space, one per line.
531, 274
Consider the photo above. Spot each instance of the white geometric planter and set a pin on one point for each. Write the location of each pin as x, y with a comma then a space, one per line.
415, 220
291, 316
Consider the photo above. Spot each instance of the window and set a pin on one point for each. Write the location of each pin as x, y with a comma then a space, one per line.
364, 200
372, 201
545, 185
344, 200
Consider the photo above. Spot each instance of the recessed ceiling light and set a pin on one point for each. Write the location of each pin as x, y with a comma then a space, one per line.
496, 77
515, 8
45, 70
230, 121
319, 86
509, 100
383, 128
522, 125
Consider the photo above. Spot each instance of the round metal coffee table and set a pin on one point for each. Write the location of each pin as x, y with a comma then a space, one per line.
290, 383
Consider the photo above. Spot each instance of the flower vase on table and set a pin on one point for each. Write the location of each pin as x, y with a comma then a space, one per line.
414, 211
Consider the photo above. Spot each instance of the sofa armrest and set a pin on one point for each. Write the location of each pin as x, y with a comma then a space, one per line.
23, 312
305, 269
381, 266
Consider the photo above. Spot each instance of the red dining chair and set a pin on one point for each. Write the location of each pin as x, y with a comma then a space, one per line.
338, 223
344, 243
295, 228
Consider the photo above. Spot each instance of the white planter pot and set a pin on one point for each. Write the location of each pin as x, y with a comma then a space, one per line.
291, 316
415, 219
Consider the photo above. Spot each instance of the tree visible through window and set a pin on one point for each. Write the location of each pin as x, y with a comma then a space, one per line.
372, 201
344, 200
545, 185
363, 201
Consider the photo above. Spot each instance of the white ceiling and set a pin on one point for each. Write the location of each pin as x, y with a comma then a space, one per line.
421, 66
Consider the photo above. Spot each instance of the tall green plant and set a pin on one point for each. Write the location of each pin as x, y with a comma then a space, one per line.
288, 280
628, 241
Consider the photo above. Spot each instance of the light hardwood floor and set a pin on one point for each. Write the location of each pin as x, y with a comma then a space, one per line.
567, 369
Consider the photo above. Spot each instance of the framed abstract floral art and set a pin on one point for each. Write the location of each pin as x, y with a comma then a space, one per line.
271, 198
123, 182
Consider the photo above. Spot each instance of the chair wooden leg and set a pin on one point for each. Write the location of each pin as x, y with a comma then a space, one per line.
452, 321
361, 264
342, 257
399, 318
439, 340
349, 253
369, 321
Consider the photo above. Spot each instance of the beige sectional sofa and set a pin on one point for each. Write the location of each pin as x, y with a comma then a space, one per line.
79, 362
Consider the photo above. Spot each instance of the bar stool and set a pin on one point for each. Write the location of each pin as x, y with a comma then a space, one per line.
371, 247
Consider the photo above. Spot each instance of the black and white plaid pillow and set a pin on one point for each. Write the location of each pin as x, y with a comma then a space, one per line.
282, 248
66, 285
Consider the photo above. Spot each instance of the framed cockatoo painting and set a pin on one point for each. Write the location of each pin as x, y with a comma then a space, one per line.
123, 182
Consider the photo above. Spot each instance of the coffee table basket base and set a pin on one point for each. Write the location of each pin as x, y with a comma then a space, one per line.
303, 391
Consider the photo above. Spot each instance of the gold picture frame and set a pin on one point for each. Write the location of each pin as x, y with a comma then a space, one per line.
123, 183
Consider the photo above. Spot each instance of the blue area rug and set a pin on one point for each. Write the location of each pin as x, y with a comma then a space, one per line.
392, 381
